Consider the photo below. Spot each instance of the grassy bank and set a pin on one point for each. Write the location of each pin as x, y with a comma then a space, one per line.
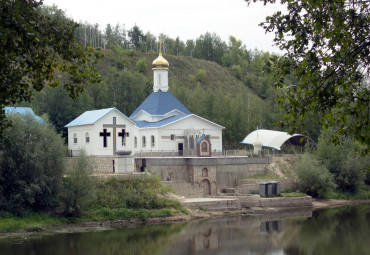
139, 197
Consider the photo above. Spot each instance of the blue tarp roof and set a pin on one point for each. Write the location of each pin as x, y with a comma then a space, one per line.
22, 111
90, 117
160, 103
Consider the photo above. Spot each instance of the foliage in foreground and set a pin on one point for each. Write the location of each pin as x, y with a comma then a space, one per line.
326, 45
33, 48
32, 161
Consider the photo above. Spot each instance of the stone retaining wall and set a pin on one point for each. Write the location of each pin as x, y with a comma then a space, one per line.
228, 169
185, 189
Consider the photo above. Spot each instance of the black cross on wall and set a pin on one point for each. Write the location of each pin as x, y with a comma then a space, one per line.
124, 135
114, 126
105, 134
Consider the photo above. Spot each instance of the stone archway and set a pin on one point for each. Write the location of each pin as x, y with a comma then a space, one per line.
206, 187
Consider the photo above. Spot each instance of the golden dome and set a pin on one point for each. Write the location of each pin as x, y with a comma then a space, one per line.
160, 62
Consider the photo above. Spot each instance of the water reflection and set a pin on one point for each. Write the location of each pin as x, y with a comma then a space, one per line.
337, 231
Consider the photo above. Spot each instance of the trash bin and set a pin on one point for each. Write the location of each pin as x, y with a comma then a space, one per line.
269, 189
276, 187
263, 189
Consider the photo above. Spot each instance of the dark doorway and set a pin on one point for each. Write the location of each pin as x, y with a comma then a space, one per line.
181, 149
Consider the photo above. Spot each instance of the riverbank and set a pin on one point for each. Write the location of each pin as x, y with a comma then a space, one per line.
193, 215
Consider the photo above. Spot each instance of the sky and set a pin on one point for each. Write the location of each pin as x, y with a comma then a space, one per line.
186, 19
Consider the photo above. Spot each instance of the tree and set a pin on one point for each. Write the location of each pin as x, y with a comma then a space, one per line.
136, 36
30, 175
33, 48
326, 44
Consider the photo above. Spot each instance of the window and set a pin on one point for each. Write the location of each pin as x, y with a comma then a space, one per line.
135, 141
159, 79
75, 138
153, 141
204, 147
87, 137
144, 142
172, 137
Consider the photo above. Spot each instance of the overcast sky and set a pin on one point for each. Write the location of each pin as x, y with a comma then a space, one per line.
186, 19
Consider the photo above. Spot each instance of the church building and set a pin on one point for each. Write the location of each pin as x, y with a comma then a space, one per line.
161, 124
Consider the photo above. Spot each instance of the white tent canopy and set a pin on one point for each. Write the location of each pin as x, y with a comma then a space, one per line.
273, 139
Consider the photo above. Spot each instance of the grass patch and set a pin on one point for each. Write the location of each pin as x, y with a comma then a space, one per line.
126, 213
263, 177
33, 222
292, 194
363, 193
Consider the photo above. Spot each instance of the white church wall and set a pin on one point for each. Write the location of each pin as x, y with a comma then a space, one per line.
193, 122
95, 146
147, 133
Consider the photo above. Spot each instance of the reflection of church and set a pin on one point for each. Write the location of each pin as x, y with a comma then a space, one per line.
161, 124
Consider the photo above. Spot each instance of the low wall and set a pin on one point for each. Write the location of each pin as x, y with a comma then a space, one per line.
276, 202
220, 204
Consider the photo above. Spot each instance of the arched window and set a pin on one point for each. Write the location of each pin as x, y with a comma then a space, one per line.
75, 138
135, 141
144, 142
205, 172
87, 137
153, 141
204, 147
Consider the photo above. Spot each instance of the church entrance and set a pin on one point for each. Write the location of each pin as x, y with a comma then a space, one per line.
181, 149
206, 186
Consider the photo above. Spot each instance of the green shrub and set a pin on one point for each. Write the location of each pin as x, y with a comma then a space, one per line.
141, 192
342, 161
78, 187
201, 75
313, 179
141, 66
237, 71
32, 161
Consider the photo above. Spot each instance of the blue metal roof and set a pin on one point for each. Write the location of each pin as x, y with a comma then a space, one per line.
147, 124
90, 117
22, 111
160, 103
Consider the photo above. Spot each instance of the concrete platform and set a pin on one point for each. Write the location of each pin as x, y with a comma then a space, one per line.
211, 203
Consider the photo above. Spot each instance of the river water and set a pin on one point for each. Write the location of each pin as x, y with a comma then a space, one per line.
344, 230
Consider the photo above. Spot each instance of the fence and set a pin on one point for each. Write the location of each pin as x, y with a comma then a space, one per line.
192, 153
